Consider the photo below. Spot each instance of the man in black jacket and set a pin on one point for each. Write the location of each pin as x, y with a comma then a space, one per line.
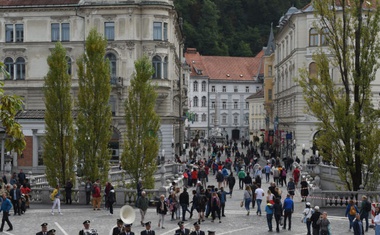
197, 231
184, 202
44, 230
148, 230
182, 230
15, 195
314, 219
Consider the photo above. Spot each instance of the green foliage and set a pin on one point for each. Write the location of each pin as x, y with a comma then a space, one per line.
94, 113
225, 27
59, 154
141, 142
348, 121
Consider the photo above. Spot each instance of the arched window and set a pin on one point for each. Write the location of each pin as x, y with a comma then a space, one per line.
203, 117
157, 65
112, 59
313, 72
9, 67
203, 86
313, 37
166, 68
20, 69
195, 86
204, 101
68, 59
195, 101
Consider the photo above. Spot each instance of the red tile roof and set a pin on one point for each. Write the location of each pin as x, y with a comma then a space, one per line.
37, 2
224, 67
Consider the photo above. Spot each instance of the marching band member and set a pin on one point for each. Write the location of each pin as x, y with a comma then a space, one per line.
147, 230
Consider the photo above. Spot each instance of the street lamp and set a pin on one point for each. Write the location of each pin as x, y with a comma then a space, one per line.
303, 157
317, 156
163, 156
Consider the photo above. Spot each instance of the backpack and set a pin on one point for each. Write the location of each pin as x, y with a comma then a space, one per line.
283, 173
352, 210
368, 206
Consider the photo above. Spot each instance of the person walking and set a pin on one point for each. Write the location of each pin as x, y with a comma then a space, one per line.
351, 211
288, 210
277, 211
304, 189
267, 170
56, 197
215, 207
357, 225
324, 224
307, 212
184, 201
68, 190
231, 183
247, 198
376, 220
269, 211
6, 206
143, 204
96, 197
296, 175
88, 187
15, 195
314, 219
161, 210
291, 187
111, 199
365, 211
241, 176
259, 195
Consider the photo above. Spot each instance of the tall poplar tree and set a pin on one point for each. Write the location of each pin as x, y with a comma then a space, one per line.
59, 153
349, 122
94, 112
141, 141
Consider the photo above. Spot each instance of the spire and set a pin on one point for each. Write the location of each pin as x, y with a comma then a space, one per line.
271, 46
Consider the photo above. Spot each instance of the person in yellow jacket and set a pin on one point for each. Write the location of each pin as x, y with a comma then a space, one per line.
56, 198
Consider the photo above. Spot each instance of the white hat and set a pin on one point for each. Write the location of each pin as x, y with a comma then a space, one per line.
316, 208
307, 203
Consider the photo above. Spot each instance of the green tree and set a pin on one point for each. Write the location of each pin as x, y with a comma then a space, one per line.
10, 105
94, 113
59, 153
141, 142
349, 134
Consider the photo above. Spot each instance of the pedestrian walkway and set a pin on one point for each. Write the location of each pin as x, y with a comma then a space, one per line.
235, 222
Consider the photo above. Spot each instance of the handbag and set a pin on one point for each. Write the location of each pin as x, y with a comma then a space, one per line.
241, 204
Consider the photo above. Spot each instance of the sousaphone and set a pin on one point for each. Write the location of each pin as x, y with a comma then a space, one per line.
127, 215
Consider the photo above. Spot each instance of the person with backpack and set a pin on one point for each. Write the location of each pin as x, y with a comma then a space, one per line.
215, 207
365, 211
351, 211
283, 177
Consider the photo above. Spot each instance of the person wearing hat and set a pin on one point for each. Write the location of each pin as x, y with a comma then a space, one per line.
86, 229
307, 212
314, 219
198, 230
182, 230
44, 230
241, 176
147, 230
127, 230
51, 232
211, 232
119, 227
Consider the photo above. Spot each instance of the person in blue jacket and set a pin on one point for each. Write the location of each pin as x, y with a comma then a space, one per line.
6, 206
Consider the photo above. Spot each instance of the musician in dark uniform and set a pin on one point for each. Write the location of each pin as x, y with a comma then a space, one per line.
147, 230
51, 232
211, 232
119, 229
44, 230
182, 230
87, 230
127, 230
197, 228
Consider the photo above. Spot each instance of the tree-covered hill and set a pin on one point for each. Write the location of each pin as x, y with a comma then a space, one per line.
231, 27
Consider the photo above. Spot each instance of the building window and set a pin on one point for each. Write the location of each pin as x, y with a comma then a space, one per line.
9, 67
246, 119
236, 118
203, 86
203, 117
195, 86
158, 32
213, 89
20, 69
324, 32
224, 119
313, 70
109, 31
270, 70
224, 89
246, 105
196, 117
112, 60
157, 65
313, 37
270, 94
247, 89
60, 32
68, 59
203, 101
14, 32
224, 105
195, 101
212, 118
236, 106
165, 64
236, 89
213, 105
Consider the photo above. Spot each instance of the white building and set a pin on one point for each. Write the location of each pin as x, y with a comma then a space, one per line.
132, 28
257, 116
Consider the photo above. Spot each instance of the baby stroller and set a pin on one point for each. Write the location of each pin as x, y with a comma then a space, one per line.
23, 203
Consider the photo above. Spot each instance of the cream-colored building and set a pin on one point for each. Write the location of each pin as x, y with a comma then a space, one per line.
257, 116
30, 30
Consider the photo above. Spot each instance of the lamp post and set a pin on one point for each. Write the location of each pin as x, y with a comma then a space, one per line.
303, 157
163, 157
